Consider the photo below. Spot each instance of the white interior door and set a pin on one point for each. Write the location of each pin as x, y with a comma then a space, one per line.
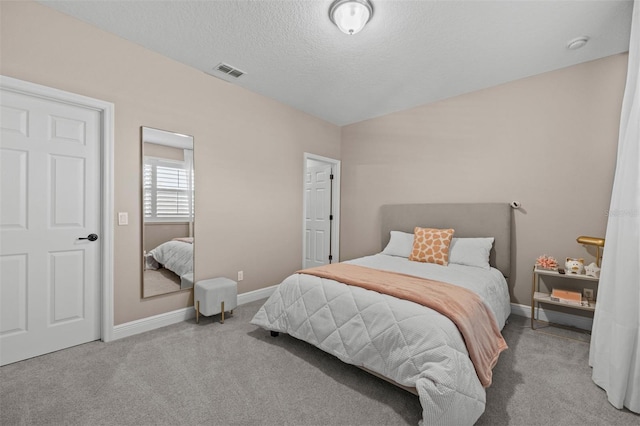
50, 197
317, 219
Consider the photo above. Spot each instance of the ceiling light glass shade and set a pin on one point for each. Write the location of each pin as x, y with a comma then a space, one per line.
577, 43
350, 15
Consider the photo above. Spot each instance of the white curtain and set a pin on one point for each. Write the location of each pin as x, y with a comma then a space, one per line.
615, 341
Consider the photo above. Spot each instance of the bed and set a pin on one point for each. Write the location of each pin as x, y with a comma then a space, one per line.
175, 255
406, 343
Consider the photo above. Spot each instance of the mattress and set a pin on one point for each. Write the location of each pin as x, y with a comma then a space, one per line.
407, 343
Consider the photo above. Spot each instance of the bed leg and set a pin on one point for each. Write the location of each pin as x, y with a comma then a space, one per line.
275, 334
222, 310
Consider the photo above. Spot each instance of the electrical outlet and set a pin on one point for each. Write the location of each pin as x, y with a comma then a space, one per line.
588, 293
240, 275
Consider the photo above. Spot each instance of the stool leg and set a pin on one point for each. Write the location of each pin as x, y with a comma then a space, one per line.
222, 310
197, 312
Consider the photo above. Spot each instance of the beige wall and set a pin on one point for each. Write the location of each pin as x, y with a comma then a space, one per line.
248, 149
548, 141
158, 233
162, 151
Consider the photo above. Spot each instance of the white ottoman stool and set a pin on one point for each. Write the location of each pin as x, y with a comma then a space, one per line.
214, 296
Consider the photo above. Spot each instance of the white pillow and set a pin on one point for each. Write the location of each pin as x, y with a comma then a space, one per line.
471, 251
400, 244
462, 251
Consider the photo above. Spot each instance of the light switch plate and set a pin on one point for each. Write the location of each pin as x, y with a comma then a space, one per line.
123, 218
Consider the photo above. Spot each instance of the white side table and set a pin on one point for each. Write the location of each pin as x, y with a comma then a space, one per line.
538, 297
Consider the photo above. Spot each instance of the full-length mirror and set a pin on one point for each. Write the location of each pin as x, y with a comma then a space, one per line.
167, 211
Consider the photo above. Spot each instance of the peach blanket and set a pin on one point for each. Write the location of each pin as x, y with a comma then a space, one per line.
464, 307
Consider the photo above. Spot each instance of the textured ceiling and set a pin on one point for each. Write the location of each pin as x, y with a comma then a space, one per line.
411, 52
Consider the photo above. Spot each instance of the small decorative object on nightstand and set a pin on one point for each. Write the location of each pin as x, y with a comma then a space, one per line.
592, 270
547, 262
574, 266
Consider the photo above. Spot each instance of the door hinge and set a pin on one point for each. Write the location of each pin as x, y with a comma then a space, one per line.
330, 258
331, 176
330, 217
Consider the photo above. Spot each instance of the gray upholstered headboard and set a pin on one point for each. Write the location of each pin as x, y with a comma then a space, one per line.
468, 220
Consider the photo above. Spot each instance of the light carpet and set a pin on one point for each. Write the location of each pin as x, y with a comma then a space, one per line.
237, 374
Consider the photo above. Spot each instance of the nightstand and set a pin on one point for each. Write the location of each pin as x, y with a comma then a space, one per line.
538, 297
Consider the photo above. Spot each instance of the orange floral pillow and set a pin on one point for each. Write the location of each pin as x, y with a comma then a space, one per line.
431, 245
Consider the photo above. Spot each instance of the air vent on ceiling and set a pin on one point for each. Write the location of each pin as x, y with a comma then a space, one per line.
229, 70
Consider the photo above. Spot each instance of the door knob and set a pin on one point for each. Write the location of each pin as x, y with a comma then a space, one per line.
90, 237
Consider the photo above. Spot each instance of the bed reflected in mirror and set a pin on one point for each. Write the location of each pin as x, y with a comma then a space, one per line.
167, 212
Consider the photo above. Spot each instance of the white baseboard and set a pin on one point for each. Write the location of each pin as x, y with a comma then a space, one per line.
584, 323
174, 317
252, 296
151, 323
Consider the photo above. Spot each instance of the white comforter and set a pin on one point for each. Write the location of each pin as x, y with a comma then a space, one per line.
401, 340
176, 256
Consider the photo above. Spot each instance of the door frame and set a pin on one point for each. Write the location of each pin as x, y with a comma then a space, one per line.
106, 111
335, 202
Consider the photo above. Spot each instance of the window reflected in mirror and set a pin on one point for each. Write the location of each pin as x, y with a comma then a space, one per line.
167, 212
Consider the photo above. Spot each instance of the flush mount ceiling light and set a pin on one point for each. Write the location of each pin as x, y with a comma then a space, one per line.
577, 43
350, 15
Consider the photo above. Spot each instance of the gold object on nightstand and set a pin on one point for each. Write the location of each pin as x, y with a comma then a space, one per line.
593, 241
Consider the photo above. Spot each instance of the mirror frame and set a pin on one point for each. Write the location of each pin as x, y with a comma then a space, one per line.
157, 134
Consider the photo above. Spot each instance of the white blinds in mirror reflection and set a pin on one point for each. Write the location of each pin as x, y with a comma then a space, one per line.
168, 190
